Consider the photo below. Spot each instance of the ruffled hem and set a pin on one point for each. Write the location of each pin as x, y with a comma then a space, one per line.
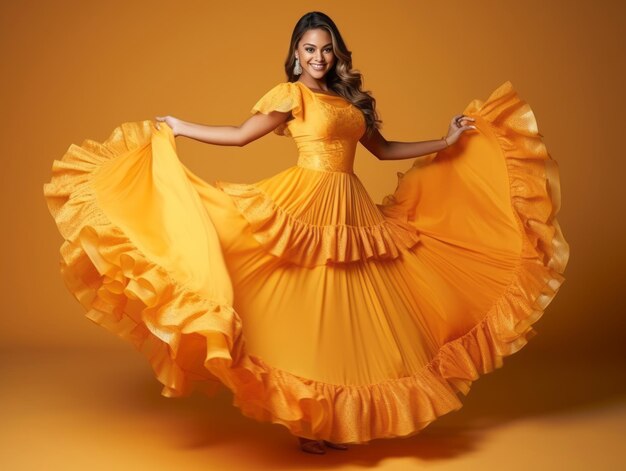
310, 245
130, 295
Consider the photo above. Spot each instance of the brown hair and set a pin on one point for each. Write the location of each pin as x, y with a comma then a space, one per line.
341, 78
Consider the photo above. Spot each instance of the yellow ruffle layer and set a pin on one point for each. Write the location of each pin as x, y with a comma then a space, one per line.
192, 342
285, 96
309, 245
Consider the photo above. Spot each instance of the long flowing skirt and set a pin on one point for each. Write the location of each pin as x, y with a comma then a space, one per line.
346, 332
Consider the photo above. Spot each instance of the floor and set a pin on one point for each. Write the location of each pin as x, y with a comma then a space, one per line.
102, 410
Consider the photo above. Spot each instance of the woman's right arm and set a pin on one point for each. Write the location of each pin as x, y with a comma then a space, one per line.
254, 127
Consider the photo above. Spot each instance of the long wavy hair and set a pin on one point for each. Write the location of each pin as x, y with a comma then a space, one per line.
341, 78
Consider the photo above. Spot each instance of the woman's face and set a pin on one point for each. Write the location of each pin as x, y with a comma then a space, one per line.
315, 52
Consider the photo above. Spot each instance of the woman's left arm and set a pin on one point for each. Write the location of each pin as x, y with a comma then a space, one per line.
394, 150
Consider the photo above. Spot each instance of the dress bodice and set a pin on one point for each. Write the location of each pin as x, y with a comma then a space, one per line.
326, 128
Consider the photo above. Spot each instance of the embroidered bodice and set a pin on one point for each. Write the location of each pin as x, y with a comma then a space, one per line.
326, 128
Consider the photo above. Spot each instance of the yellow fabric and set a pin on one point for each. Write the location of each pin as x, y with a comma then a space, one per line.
322, 311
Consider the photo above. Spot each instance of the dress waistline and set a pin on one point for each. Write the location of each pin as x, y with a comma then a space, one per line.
325, 163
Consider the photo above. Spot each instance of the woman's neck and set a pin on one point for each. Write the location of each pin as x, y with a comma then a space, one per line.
318, 85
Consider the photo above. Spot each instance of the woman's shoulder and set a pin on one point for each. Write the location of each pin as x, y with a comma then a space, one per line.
285, 88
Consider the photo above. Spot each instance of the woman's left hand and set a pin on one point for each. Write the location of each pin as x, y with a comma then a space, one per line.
457, 126
172, 122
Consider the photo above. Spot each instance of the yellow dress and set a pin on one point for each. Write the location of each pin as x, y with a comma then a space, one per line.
336, 317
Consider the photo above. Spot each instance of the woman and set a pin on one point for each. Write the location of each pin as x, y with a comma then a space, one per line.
341, 319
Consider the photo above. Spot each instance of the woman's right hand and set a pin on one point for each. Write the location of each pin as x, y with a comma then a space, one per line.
170, 121
458, 124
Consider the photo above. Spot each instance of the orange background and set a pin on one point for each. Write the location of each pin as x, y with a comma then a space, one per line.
75, 70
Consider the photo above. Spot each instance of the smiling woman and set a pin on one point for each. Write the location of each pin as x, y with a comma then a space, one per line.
338, 318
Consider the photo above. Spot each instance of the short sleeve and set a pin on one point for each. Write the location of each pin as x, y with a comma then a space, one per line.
283, 97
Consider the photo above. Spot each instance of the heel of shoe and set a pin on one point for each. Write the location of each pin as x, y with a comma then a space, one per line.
336, 446
308, 445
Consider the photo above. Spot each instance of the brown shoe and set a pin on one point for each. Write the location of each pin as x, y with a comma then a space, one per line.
312, 446
336, 446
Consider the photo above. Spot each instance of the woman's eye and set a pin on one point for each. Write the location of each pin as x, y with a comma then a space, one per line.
329, 50
309, 49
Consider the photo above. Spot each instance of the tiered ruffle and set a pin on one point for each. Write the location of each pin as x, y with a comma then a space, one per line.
307, 244
191, 341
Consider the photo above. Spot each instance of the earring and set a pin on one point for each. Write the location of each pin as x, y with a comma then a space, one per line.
297, 69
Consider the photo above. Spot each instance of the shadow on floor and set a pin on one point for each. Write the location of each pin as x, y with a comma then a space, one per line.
530, 384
